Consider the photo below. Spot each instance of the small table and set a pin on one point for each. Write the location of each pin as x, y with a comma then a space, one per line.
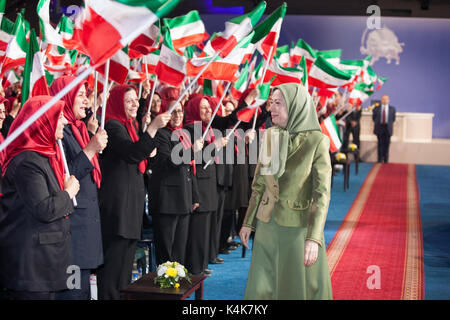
146, 289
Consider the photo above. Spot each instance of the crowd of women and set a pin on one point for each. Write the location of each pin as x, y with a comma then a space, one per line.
52, 223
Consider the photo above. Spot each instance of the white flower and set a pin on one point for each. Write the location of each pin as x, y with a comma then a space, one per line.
180, 270
161, 270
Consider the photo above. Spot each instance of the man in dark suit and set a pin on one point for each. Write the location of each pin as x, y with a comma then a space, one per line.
383, 118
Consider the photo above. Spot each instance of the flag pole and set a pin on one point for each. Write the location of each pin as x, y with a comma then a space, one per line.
95, 92
105, 92
215, 111
151, 99
227, 136
194, 80
13, 135
66, 167
262, 81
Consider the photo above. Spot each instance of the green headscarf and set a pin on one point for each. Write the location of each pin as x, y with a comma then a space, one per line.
302, 117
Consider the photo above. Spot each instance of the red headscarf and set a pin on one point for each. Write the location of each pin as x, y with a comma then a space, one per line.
39, 137
115, 109
192, 115
78, 127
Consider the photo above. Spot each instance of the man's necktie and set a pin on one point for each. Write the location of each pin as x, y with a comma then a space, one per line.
384, 115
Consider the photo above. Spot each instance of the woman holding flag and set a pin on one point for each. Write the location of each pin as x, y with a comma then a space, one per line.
82, 158
122, 191
289, 203
35, 231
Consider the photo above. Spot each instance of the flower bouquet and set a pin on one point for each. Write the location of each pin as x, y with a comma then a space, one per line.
170, 273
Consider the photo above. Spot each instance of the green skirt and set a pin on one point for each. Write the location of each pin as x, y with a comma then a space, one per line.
277, 270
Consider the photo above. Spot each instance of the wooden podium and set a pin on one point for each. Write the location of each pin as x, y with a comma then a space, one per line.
146, 289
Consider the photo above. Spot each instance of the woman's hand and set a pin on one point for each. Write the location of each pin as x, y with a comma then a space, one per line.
153, 153
244, 234
198, 145
220, 143
71, 186
159, 122
92, 125
146, 119
195, 206
251, 96
250, 136
311, 252
145, 88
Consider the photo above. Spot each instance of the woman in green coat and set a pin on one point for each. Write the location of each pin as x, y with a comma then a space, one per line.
289, 203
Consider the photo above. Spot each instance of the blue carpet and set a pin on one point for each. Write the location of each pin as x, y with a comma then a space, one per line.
228, 280
434, 189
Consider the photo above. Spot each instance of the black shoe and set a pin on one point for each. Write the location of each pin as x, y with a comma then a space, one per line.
221, 260
224, 251
231, 247
234, 243
207, 271
216, 261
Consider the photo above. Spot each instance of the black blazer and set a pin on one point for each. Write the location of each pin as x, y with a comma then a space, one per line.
376, 117
34, 229
172, 187
206, 180
86, 242
122, 192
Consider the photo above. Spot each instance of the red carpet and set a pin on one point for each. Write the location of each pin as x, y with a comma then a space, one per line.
377, 253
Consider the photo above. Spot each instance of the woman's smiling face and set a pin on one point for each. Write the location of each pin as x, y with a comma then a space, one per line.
278, 109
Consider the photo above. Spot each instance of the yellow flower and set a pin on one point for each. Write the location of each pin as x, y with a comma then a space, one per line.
177, 285
171, 272
175, 264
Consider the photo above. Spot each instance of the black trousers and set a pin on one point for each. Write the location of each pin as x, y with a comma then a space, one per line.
355, 134
28, 295
225, 230
171, 236
83, 293
384, 140
115, 274
216, 224
197, 250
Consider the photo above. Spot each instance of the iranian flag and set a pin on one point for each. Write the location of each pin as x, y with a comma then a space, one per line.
221, 68
48, 33
213, 88
332, 56
34, 82
119, 64
256, 75
241, 84
186, 30
330, 129
267, 33
324, 75
66, 30
246, 114
381, 81
359, 94
283, 56
16, 51
171, 67
10, 79
282, 75
237, 29
146, 42
6, 29
108, 25
151, 60
302, 49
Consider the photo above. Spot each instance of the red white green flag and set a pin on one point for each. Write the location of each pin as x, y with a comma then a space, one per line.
268, 31
213, 88
6, 30
324, 75
330, 129
10, 79
119, 64
171, 67
186, 30
246, 114
282, 75
237, 29
16, 51
151, 60
283, 56
146, 42
302, 49
332, 56
34, 82
359, 94
48, 33
241, 84
109, 25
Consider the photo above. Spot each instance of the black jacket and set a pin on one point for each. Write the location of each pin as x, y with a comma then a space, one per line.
122, 192
86, 242
172, 187
34, 228
376, 117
